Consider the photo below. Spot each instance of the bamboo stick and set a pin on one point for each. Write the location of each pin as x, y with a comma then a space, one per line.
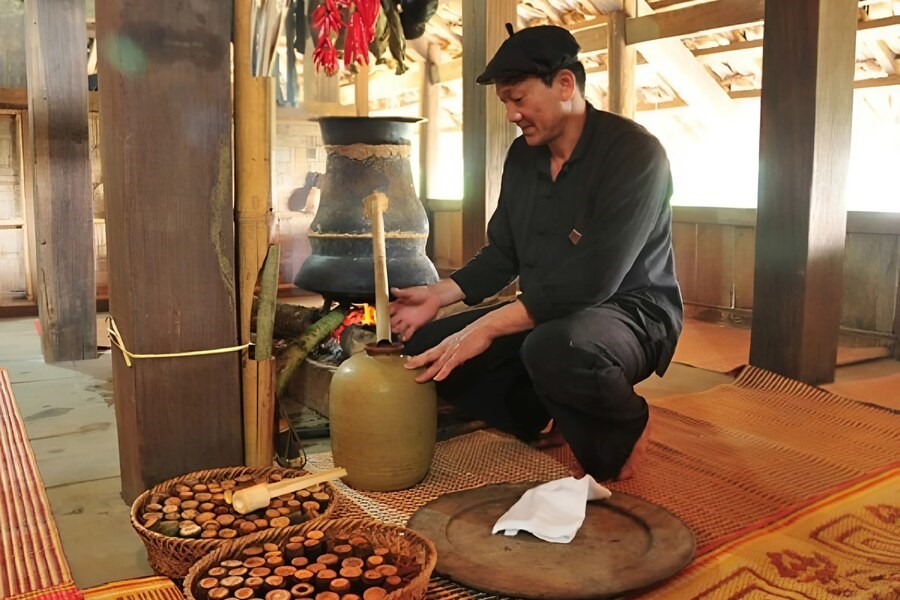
253, 125
265, 312
375, 205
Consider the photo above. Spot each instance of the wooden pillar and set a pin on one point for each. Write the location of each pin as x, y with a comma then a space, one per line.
807, 102
361, 90
486, 132
56, 63
621, 62
165, 97
431, 128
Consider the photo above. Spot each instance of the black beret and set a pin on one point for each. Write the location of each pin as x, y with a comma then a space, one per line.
532, 51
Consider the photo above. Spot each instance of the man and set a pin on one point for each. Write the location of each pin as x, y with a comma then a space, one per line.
583, 220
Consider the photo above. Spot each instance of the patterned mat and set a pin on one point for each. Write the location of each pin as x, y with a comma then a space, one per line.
725, 349
144, 588
727, 461
884, 391
32, 564
844, 546
732, 458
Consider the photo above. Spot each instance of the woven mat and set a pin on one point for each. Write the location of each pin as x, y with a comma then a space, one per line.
727, 461
844, 546
144, 588
733, 458
32, 564
726, 349
884, 391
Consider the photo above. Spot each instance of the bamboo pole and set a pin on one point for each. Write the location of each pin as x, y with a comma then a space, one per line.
375, 205
254, 112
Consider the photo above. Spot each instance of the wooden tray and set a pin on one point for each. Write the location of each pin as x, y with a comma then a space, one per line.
625, 544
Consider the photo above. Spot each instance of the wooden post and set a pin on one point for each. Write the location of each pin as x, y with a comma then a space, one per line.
486, 132
166, 103
429, 132
361, 90
254, 111
56, 63
807, 102
621, 63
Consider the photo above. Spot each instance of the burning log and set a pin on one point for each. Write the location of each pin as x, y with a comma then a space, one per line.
295, 354
291, 320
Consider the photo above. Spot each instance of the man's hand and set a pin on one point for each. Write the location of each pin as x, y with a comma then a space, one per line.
416, 306
412, 308
453, 351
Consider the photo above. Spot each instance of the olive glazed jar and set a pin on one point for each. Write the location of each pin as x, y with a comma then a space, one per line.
383, 423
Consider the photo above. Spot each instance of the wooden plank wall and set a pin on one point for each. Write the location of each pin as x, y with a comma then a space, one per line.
715, 253
715, 263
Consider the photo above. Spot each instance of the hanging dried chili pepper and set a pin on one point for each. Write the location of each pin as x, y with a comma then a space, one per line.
328, 22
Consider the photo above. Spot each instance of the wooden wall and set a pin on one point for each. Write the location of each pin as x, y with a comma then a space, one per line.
715, 253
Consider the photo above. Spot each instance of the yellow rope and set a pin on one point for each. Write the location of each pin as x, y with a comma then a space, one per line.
116, 338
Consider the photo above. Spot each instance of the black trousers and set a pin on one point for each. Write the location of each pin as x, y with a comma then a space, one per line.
580, 370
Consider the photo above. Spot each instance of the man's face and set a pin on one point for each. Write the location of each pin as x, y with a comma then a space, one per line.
535, 108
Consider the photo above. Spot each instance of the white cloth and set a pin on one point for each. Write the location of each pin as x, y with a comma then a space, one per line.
552, 511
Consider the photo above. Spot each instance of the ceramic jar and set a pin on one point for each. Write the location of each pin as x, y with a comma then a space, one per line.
383, 423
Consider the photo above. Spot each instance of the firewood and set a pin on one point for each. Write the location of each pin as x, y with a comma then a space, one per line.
297, 352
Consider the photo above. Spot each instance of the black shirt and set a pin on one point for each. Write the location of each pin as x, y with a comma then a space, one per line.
601, 233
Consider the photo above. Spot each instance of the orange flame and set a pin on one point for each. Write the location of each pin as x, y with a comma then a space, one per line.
363, 314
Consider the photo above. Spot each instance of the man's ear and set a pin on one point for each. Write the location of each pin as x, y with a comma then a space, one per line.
566, 80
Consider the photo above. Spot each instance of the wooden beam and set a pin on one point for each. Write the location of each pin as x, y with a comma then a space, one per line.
64, 225
486, 132
26, 152
622, 63
806, 112
700, 18
170, 223
883, 55
690, 79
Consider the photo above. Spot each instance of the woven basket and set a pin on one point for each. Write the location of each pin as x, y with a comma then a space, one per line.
173, 556
400, 540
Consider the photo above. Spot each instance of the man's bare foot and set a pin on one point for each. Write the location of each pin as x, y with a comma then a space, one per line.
638, 453
549, 437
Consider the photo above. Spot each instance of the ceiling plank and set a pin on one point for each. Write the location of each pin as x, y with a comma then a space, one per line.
710, 16
883, 55
687, 76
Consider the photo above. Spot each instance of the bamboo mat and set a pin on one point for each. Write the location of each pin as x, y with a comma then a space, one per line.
33, 565
727, 461
847, 545
726, 349
144, 588
883, 391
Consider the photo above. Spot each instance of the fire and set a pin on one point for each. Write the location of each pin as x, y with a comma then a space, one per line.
361, 314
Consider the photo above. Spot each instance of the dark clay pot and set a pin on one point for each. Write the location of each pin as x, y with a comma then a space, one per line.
365, 155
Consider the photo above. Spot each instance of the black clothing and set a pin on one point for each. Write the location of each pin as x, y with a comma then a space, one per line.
593, 255
614, 190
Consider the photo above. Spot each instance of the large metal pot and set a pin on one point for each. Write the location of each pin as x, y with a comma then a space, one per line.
365, 155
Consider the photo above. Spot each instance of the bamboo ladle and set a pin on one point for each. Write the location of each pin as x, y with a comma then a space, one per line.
258, 496
374, 205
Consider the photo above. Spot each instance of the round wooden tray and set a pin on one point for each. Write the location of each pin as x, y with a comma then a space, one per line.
625, 544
